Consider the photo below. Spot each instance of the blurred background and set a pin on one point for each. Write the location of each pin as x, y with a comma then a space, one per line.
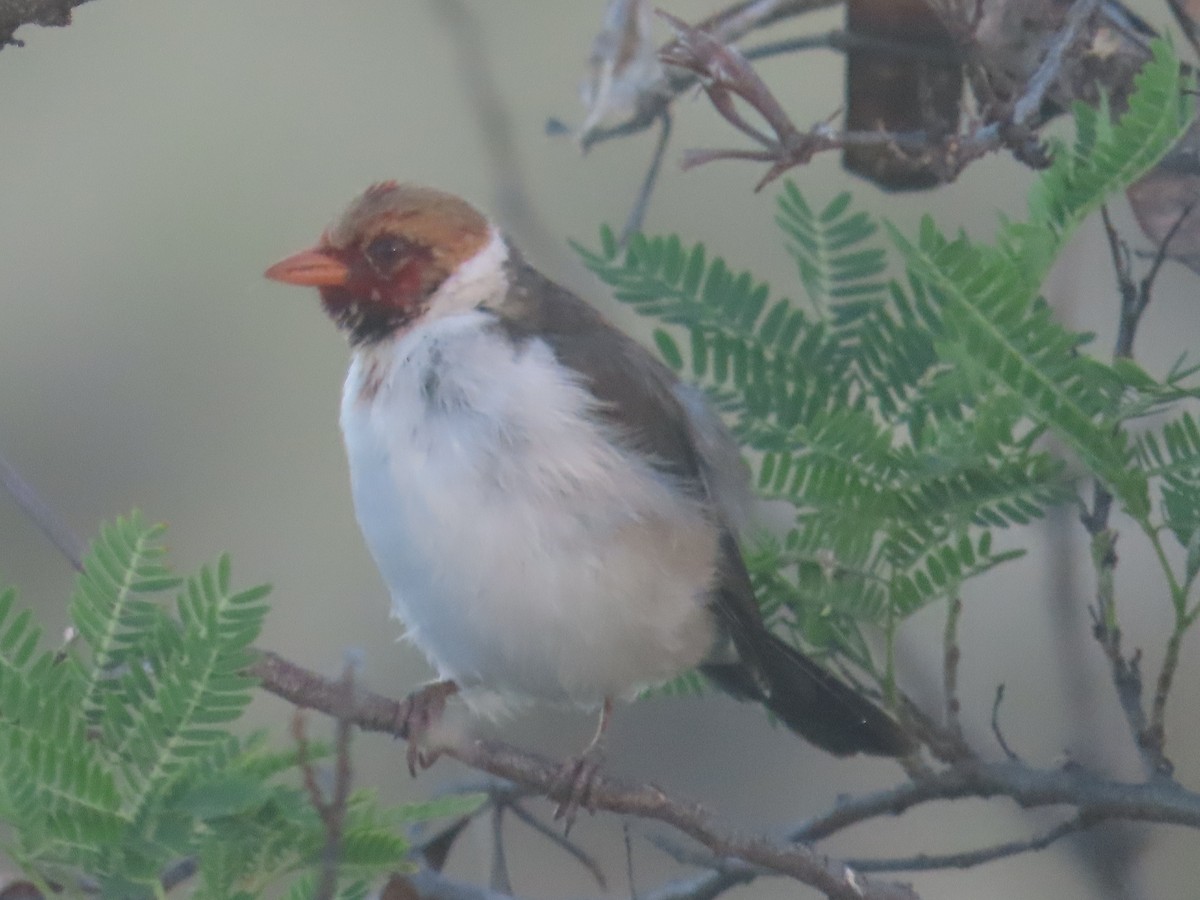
156, 156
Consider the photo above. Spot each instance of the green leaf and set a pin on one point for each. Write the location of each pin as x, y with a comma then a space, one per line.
668, 349
450, 806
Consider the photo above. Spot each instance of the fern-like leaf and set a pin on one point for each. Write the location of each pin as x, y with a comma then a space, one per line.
1107, 156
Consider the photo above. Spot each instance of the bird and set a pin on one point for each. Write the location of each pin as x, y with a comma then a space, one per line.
555, 515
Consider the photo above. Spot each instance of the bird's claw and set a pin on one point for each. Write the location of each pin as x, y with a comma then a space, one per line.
576, 780
419, 712
419, 759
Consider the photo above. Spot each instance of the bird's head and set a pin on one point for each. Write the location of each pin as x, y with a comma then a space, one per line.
380, 264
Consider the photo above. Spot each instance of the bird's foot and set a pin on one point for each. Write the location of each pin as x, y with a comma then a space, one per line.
575, 782
419, 712
578, 775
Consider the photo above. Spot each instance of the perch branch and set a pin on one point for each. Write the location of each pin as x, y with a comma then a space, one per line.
373, 712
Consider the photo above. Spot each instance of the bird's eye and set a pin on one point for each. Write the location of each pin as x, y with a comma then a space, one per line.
385, 251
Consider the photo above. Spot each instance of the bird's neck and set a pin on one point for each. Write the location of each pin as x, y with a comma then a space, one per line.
482, 280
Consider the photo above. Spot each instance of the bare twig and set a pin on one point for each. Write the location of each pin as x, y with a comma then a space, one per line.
1146, 286
1185, 14
48, 522
843, 41
633, 893
1158, 800
637, 215
376, 713
704, 54
951, 654
332, 811
1149, 731
724, 74
1156, 728
923, 862
999, 735
1126, 673
1028, 786
562, 842
500, 881
1135, 295
434, 851
1029, 105
725, 26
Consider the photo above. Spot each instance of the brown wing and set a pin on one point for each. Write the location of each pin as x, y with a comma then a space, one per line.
642, 399
635, 390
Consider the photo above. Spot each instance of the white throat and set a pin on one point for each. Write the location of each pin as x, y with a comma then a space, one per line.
479, 281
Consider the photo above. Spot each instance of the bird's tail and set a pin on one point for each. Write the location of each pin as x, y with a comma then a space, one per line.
810, 701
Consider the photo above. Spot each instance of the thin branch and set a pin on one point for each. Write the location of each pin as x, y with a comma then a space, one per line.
726, 26
633, 893
999, 735
951, 654
637, 215
1157, 728
48, 522
562, 842
1131, 310
1160, 799
1135, 296
923, 862
499, 881
332, 811
1029, 105
1146, 286
374, 712
1187, 22
1148, 731
845, 41
1126, 673
1155, 734
434, 851
725, 74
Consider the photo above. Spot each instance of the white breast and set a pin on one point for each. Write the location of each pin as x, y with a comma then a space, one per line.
525, 551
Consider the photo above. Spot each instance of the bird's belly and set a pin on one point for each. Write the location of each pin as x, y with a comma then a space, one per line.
527, 555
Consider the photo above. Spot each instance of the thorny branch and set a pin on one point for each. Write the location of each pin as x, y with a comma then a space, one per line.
1149, 732
726, 26
703, 54
1095, 797
723, 72
373, 712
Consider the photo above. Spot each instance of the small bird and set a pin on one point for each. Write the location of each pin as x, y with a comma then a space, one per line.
552, 511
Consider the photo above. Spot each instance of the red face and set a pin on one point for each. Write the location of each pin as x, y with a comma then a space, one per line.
380, 263
371, 287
